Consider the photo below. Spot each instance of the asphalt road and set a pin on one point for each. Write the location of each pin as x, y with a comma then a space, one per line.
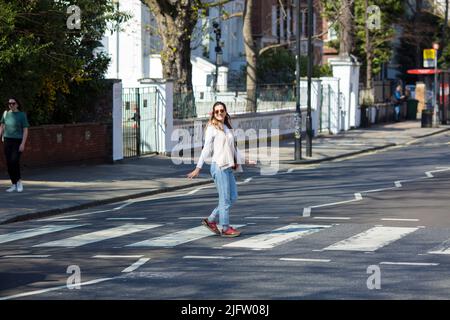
370, 227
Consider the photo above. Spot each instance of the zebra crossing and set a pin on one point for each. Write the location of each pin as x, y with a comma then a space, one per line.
370, 240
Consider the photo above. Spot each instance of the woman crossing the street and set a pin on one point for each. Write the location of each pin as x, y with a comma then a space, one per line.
220, 141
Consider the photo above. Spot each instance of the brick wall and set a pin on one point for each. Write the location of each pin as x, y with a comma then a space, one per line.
87, 143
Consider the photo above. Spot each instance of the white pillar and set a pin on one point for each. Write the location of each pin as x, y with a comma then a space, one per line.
164, 117
222, 80
330, 107
117, 122
347, 70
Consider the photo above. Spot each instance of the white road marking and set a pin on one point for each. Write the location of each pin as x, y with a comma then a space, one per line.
206, 257
358, 197
395, 219
372, 239
196, 190
377, 190
96, 236
443, 248
305, 260
124, 205
191, 218
126, 218
177, 238
398, 184
277, 237
245, 181
262, 217
57, 220
103, 256
307, 212
429, 173
37, 256
84, 214
410, 263
332, 218
136, 265
93, 212
31, 293
23, 234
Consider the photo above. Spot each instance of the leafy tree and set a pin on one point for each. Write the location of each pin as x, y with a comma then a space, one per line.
277, 66
412, 44
176, 20
46, 64
373, 46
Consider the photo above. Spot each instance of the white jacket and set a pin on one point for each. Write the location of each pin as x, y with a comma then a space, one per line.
222, 146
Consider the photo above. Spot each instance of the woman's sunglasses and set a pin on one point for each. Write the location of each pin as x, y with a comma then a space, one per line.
12, 103
219, 111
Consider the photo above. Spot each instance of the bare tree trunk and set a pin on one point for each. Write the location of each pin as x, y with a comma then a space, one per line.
176, 21
251, 56
346, 29
417, 17
369, 96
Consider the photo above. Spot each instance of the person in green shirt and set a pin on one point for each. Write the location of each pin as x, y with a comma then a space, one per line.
14, 131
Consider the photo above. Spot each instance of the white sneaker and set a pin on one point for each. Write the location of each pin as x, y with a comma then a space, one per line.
12, 188
19, 186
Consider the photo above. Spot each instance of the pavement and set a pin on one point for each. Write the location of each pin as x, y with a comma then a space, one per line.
56, 190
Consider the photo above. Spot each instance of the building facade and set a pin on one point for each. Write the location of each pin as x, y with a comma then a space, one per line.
275, 23
135, 48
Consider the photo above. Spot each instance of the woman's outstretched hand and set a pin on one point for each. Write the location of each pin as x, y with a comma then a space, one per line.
194, 173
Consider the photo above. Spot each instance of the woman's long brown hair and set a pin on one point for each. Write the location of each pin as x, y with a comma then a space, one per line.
216, 123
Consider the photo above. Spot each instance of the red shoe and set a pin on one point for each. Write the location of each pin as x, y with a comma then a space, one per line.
212, 226
231, 233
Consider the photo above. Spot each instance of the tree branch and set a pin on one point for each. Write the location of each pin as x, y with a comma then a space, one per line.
216, 4
274, 46
233, 15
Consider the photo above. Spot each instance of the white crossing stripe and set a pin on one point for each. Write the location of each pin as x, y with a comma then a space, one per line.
278, 236
103, 256
395, 219
177, 238
371, 239
206, 257
30, 256
136, 265
332, 218
98, 235
423, 264
444, 248
262, 217
304, 260
126, 218
23, 234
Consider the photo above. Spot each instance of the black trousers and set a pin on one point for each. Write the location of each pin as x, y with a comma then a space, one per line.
12, 155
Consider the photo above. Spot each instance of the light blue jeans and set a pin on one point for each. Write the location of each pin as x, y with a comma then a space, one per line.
396, 113
226, 187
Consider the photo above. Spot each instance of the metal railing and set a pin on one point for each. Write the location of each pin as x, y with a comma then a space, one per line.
271, 97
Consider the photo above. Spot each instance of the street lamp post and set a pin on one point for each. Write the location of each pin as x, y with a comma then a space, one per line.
435, 102
218, 51
298, 113
310, 69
